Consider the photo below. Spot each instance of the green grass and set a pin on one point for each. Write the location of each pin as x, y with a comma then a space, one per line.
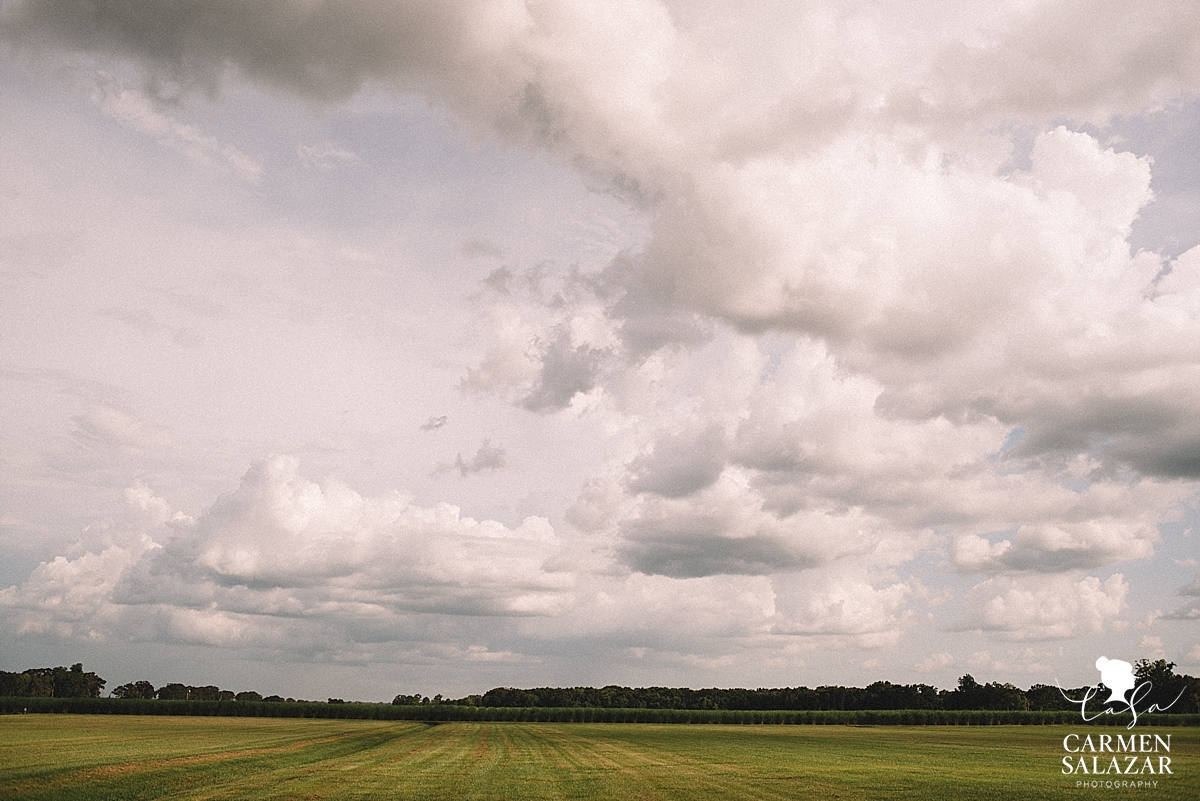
132, 757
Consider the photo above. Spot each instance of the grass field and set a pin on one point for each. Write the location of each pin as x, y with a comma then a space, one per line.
129, 757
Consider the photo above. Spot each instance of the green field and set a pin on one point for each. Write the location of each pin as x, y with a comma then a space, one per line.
133, 757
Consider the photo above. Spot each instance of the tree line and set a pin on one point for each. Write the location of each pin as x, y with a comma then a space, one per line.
187, 692
1180, 692
74, 682
56, 682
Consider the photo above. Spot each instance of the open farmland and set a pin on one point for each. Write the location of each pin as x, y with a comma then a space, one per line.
134, 757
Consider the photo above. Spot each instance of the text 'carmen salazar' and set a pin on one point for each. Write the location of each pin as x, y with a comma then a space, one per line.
1110, 754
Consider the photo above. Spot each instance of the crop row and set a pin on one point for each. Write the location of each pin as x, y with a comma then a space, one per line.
446, 712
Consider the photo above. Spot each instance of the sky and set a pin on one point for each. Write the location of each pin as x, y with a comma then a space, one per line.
361, 348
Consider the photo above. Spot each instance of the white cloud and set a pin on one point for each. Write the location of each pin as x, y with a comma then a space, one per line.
510, 361
842, 604
1043, 608
106, 427
936, 661
1152, 647
326, 156
1054, 549
281, 550
133, 109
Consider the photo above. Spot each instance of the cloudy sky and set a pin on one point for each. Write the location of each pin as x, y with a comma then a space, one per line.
356, 348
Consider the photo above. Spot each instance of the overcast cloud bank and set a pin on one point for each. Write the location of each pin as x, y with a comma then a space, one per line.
870, 365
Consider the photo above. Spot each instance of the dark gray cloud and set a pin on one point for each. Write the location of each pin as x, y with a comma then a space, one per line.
481, 248
1190, 610
435, 422
565, 372
700, 554
488, 457
1154, 435
680, 464
645, 306
683, 539
322, 50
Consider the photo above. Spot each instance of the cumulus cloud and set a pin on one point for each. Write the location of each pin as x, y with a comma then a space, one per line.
726, 530
565, 372
681, 464
1043, 608
598, 506
935, 662
71, 598
1055, 549
488, 457
868, 317
510, 361
670, 616
1152, 647
281, 554
1190, 609
842, 603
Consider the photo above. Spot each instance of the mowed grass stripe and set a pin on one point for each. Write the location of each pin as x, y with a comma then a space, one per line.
674, 762
99, 758
183, 759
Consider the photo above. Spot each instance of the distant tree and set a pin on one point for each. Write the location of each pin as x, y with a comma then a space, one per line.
336, 701
406, 700
77, 683
225, 695
1179, 693
249, 695
1047, 698
56, 682
173, 692
274, 699
970, 694
135, 689
206, 693
507, 696
32, 683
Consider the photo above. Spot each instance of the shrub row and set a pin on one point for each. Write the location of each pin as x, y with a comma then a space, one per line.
447, 712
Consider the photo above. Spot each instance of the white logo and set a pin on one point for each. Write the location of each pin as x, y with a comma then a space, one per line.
1124, 692
1117, 676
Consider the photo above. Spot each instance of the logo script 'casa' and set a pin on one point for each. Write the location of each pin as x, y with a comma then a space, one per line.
1124, 692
